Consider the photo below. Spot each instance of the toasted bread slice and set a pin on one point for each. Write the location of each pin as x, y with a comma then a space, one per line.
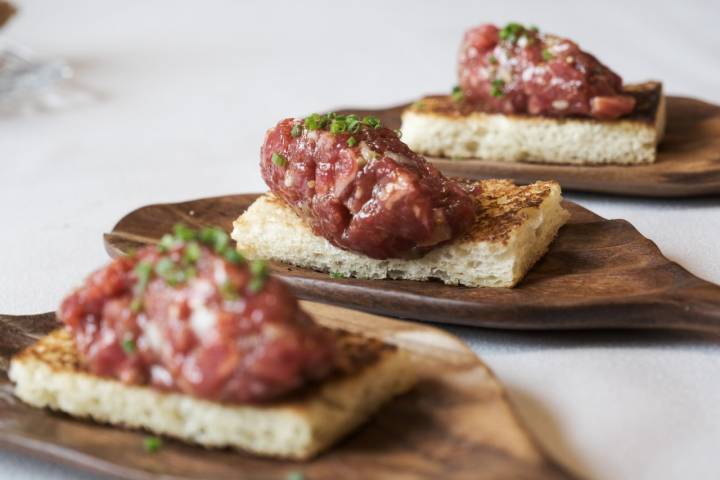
438, 126
47, 374
514, 229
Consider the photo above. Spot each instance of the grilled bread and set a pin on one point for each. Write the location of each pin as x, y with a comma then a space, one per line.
441, 127
514, 229
48, 374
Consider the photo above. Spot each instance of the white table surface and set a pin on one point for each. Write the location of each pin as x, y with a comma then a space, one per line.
185, 91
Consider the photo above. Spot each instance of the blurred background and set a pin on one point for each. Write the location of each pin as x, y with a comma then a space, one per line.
180, 93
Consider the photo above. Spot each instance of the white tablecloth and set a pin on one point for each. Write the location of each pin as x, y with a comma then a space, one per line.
184, 92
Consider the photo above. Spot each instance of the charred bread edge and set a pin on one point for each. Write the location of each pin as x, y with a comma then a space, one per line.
47, 375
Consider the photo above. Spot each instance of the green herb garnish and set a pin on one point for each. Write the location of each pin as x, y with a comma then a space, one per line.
152, 444
457, 94
258, 267
233, 256
315, 121
336, 275
511, 32
259, 271
166, 242
256, 284
372, 121
143, 270
492, 59
353, 123
351, 142
128, 346
166, 269
192, 252
338, 125
278, 160
547, 55
221, 241
183, 233
296, 131
497, 88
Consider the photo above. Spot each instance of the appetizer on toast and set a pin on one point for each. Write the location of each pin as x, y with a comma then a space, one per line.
524, 95
350, 198
190, 340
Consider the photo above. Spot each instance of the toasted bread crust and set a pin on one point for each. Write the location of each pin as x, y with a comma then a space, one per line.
515, 227
438, 126
48, 374
647, 96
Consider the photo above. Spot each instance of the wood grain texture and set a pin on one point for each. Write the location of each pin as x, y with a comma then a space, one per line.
457, 423
688, 161
598, 273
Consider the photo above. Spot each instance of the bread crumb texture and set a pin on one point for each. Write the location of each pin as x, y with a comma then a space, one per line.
514, 229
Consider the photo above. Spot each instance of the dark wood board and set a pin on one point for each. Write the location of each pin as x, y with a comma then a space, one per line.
456, 424
688, 161
598, 273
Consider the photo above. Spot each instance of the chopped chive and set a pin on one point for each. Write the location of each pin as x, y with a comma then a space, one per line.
166, 243
259, 272
547, 55
353, 124
233, 256
256, 284
457, 94
143, 270
207, 235
278, 160
336, 275
221, 241
338, 125
296, 131
258, 268
192, 252
166, 269
351, 142
372, 121
511, 32
492, 59
128, 346
183, 232
136, 305
152, 444
315, 121
497, 88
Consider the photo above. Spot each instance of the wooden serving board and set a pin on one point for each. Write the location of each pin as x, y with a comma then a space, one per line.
688, 161
456, 424
598, 273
